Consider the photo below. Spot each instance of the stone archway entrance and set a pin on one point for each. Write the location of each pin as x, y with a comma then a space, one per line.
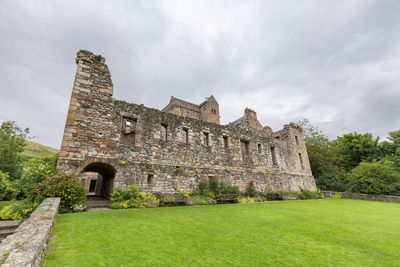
100, 179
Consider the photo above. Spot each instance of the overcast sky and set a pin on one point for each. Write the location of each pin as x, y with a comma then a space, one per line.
334, 62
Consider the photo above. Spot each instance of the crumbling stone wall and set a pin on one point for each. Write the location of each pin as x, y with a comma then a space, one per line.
162, 151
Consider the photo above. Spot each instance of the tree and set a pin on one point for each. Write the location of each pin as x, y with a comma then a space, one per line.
34, 172
7, 188
353, 148
12, 143
319, 149
374, 178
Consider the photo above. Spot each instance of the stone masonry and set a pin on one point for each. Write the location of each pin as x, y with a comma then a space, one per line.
176, 148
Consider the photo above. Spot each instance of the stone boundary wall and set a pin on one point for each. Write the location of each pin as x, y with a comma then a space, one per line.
384, 198
27, 245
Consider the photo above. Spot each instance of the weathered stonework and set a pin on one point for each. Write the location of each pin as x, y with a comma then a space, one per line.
175, 148
27, 245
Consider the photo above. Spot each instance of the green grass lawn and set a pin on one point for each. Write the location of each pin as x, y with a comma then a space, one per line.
4, 203
334, 232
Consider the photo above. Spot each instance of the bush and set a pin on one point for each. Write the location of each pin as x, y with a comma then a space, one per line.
337, 196
124, 193
214, 187
8, 190
18, 210
200, 200
251, 189
68, 187
128, 197
311, 194
34, 172
374, 178
331, 181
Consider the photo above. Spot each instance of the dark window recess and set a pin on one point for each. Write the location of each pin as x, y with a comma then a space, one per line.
128, 131
225, 138
164, 132
244, 146
206, 138
297, 140
277, 137
301, 161
213, 111
259, 148
92, 186
150, 178
274, 161
186, 135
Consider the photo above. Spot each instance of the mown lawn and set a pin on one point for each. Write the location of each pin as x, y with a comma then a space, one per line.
334, 232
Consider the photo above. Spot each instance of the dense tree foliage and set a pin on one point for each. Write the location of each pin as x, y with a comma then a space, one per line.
12, 143
354, 162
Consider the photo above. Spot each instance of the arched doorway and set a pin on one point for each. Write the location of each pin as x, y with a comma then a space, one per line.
106, 179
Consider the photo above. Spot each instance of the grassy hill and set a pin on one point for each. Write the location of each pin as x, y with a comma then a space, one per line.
36, 150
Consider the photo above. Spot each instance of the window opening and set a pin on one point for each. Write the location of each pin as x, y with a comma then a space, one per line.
259, 148
244, 145
297, 140
186, 135
225, 138
129, 131
206, 139
274, 161
150, 177
92, 186
301, 161
164, 131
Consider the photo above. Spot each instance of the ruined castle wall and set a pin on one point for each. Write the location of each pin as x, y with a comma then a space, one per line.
132, 144
178, 162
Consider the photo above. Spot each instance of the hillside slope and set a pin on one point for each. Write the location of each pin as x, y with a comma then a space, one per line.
36, 150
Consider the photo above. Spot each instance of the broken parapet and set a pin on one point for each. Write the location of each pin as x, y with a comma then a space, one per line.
27, 245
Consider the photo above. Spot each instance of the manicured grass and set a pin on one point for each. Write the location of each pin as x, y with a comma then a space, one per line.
4, 203
334, 232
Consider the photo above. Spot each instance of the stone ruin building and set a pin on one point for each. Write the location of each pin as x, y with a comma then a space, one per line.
111, 143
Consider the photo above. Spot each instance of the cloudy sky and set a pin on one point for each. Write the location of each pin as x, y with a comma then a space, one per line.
334, 62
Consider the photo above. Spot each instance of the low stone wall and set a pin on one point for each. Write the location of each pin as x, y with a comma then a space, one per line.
27, 245
384, 198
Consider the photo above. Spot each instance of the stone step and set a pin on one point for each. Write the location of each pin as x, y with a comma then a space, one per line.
98, 204
5, 233
9, 225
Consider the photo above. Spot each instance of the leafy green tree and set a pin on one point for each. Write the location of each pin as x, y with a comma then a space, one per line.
374, 178
34, 172
353, 148
7, 188
319, 149
12, 143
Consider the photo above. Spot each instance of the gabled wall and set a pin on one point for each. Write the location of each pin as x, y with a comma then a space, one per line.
126, 143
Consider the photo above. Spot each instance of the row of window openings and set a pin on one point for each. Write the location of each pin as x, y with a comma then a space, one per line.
130, 125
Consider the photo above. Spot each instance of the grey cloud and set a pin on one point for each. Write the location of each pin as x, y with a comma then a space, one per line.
335, 63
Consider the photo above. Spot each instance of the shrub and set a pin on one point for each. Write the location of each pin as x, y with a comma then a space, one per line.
310, 194
67, 187
18, 210
34, 172
130, 197
213, 187
374, 178
200, 200
337, 196
125, 193
8, 190
251, 189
